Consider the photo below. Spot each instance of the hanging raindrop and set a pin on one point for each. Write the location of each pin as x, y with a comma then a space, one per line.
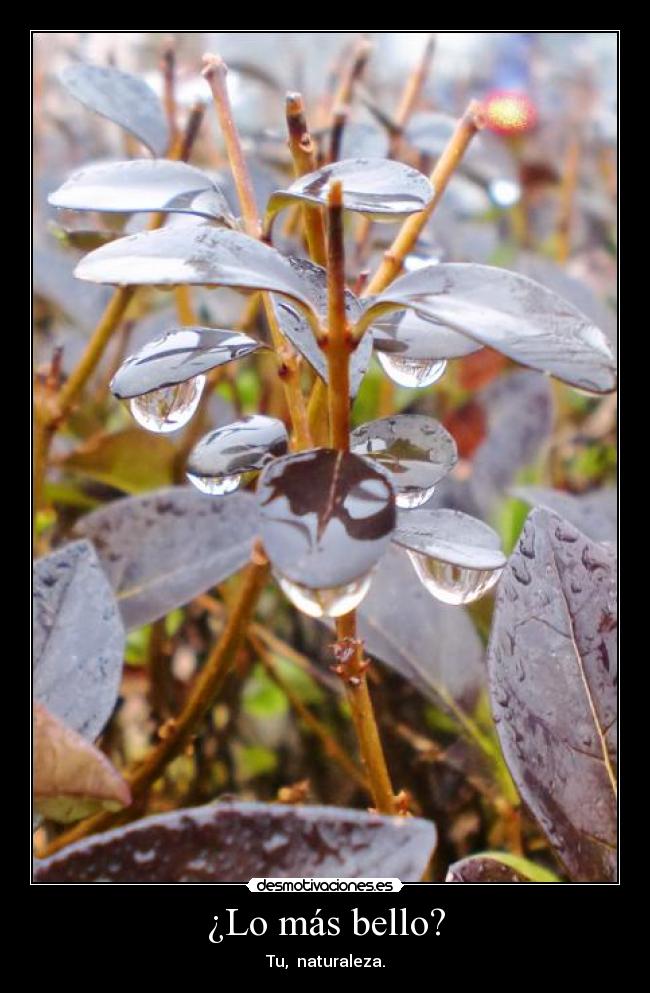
413, 497
332, 602
451, 583
170, 408
215, 485
413, 373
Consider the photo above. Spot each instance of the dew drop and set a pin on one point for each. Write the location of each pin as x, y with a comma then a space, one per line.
412, 497
415, 373
452, 583
215, 485
504, 192
169, 408
332, 602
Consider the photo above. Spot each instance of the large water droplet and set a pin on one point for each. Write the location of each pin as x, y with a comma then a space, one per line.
412, 497
414, 373
332, 602
215, 485
169, 408
452, 583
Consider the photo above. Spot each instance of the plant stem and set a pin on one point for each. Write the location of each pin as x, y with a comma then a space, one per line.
202, 696
215, 72
467, 127
567, 196
330, 745
168, 69
337, 346
415, 83
303, 154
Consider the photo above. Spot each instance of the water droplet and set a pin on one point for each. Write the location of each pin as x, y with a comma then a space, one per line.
169, 408
412, 497
452, 583
415, 373
332, 602
215, 485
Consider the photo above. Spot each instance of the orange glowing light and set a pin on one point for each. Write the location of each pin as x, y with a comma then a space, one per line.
509, 113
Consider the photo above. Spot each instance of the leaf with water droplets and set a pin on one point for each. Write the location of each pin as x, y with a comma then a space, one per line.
161, 550
198, 255
143, 185
553, 682
327, 516
294, 326
384, 189
177, 356
508, 312
498, 867
411, 337
414, 450
246, 445
72, 778
450, 536
595, 514
78, 639
232, 842
432, 645
122, 98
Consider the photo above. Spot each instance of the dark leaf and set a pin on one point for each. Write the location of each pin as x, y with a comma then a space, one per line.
233, 842
177, 356
122, 98
78, 639
72, 778
143, 185
432, 645
498, 867
197, 255
384, 189
414, 450
595, 514
128, 460
294, 326
244, 446
507, 312
327, 517
449, 536
161, 550
553, 681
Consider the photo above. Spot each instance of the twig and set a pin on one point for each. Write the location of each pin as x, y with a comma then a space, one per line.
467, 127
330, 745
352, 665
303, 154
168, 69
567, 196
215, 71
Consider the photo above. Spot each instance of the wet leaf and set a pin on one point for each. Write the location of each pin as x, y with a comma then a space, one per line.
129, 460
450, 536
177, 356
384, 189
294, 326
239, 841
414, 450
595, 514
510, 313
53, 280
432, 645
411, 337
161, 550
327, 516
243, 446
553, 682
197, 255
122, 98
78, 639
498, 867
72, 778
143, 185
